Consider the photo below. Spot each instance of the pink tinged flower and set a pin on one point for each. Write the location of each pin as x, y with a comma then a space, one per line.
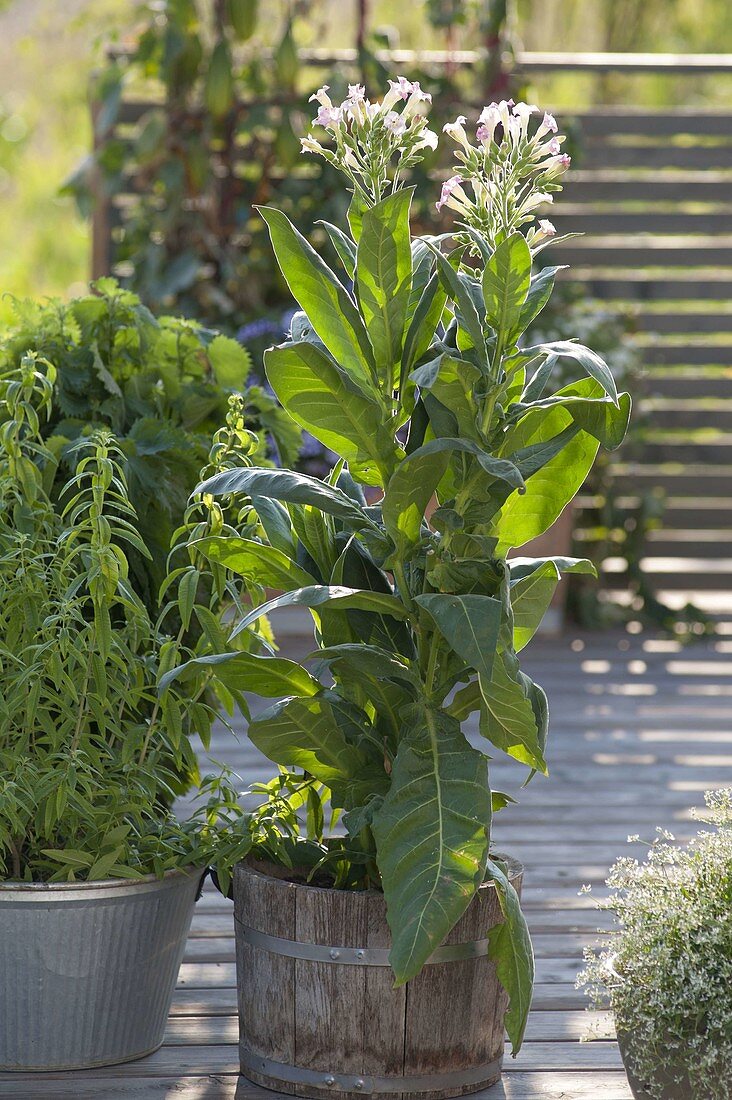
356, 92
555, 166
546, 227
550, 123
449, 188
394, 123
402, 87
553, 147
321, 96
328, 116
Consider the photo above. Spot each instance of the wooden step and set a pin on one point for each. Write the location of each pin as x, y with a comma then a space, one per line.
671, 252
684, 321
623, 187
637, 284
572, 218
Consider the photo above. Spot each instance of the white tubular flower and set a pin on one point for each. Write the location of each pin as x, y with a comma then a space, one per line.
503, 109
395, 123
356, 92
539, 198
524, 111
456, 130
452, 195
427, 140
416, 98
310, 145
322, 97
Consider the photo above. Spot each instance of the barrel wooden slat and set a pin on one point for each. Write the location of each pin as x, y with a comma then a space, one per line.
468, 993
267, 999
330, 999
385, 1008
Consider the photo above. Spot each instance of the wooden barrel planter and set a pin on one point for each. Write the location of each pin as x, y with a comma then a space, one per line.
318, 1012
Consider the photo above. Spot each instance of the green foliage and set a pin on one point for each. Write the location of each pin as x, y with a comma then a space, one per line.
414, 597
92, 754
161, 386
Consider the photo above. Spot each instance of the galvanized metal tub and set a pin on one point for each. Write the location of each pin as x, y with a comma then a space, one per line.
87, 970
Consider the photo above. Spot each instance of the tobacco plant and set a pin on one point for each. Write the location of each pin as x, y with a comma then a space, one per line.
455, 449
91, 756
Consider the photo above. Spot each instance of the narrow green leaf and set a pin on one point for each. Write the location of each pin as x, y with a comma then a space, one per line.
462, 298
507, 717
326, 301
238, 671
506, 281
510, 948
286, 485
257, 562
336, 596
590, 361
533, 583
384, 278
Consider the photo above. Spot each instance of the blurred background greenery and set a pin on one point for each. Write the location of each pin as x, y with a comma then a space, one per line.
50, 50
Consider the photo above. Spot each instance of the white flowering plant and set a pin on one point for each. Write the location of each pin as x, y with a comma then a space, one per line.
666, 972
407, 361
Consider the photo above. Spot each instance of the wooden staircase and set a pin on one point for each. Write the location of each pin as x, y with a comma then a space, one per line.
652, 195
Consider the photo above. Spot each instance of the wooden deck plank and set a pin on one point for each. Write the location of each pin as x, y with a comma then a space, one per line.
649, 727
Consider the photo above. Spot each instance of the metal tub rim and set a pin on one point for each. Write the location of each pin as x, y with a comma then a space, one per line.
44, 892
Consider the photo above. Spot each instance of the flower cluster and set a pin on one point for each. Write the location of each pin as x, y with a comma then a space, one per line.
375, 143
507, 174
667, 970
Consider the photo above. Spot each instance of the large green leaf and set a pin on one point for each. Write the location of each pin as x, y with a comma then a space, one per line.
269, 676
333, 595
533, 583
540, 291
470, 625
458, 291
321, 398
256, 561
414, 481
424, 322
510, 948
508, 719
286, 485
356, 569
384, 278
506, 281
305, 733
326, 301
560, 455
431, 834
589, 360
453, 381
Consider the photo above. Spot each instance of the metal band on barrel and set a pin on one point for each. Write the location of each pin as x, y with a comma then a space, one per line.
367, 1083
353, 956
